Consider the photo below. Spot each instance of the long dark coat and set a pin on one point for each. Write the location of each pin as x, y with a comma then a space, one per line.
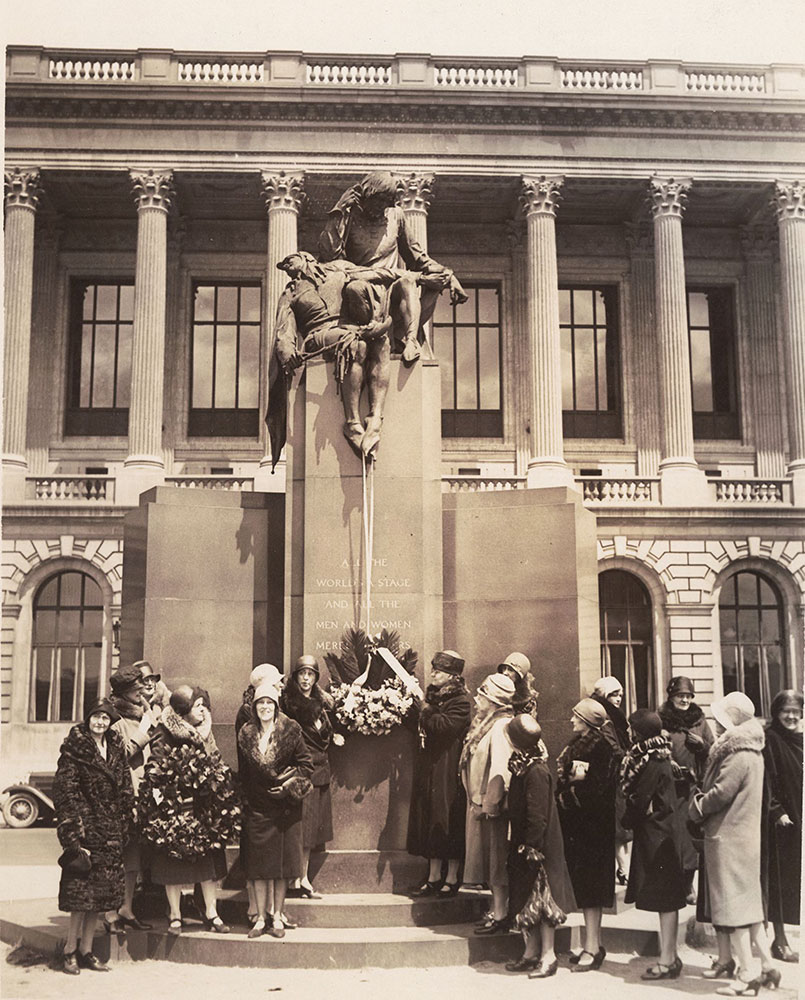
656, 877
587, 812
782, 844
313, 716
271, 838
94, 809
437, 816
535, 823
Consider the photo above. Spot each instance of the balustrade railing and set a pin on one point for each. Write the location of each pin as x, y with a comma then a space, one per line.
618, 491
221, 72
65, 489
233, 483
481, 484
589, 78
758, 491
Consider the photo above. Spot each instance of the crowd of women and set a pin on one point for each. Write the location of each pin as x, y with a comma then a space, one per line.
141, 788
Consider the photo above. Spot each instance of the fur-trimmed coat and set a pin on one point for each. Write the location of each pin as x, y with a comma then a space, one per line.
136, 736
313, 716
94, 809
587, 812
729, 807
287, 755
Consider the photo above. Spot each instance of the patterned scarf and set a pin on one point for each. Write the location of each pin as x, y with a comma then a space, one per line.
479, 727
632, 765
521, 760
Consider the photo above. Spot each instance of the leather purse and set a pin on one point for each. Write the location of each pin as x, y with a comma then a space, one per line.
75, 862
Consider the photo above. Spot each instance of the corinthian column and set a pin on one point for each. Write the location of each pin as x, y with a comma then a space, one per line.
642, 361
414, 194
283, 192
546, 465
790, 206
759, 247
145, 465
21, 196
682, 482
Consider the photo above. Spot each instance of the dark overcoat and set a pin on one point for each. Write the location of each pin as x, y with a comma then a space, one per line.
587, 813
782, 844
656, 877
94, 809
535, 823
437, 816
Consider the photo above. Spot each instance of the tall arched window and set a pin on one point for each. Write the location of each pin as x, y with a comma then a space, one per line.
626, 636
67, 647
752, 647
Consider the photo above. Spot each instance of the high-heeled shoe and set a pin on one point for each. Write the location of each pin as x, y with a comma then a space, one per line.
135, 923
308, 892
523, 964
720, 970
275, 927
660, 971
784, 952
597, 960
257, 929
70, 963
113, 926
738, 988
544, 970
449, 889
495, 927
771, 979
427, 889
621, 877
216, 925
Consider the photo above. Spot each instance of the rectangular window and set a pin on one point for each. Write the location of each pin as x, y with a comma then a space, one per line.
225, 360
99, 364
588, 331
467, 342
711, 333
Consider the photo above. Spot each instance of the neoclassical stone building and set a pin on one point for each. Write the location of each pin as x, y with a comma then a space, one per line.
632, 238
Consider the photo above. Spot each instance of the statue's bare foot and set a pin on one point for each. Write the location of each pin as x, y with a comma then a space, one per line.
354, 433
371, 436
411, 350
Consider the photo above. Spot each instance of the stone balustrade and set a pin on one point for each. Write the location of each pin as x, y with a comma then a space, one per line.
401, 72
755, 491
233, 483
623, 491
66, 489
481, 484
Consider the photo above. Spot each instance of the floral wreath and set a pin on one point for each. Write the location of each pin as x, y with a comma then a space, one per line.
188, 805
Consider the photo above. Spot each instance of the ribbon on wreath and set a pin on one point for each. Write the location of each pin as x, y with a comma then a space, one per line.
409, 681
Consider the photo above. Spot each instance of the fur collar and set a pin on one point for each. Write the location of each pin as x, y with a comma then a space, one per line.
675, 721
748, 736
583, 746
182, 732
450, 689
81, 747
129, 709
635, 761
271, 764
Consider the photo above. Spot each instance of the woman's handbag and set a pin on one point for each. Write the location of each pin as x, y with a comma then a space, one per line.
75, 861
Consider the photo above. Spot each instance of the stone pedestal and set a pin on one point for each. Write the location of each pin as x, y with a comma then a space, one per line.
325, 589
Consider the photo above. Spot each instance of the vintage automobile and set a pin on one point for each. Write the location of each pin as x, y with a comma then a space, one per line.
29, 799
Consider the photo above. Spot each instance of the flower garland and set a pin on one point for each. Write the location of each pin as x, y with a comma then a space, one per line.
187, 804
373, 712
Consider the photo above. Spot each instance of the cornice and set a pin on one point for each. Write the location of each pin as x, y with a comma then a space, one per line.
21, 107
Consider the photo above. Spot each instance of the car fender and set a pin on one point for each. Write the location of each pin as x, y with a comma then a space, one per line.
29, 790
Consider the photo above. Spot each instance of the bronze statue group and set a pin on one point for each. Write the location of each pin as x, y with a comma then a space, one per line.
141, 789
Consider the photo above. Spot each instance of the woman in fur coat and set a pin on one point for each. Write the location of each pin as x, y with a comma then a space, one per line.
729, 809
656, 880
188, 806
275, 768
691, 739
438, 803
94, 809
783, 818
304, 701
585, 788
540, 890
608, 691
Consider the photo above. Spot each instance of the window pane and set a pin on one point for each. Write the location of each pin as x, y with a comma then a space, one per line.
774, 663
729, 668
249, 366
49, 593
567, 368
443, 312
88, 302
70, 589
202, 367
92, 627
770, 626
124, 366
642, 677
85, 385
767, 595
92, 593
616, 619
488, 305
585, 370
44, 658
583, 306
225, 361
68, 626
92, 675
465, 311
466, 372
640, 624
44, 627
67, 659
747, 589
106, 303
227, 304
600, 308
701, 371
748, 626
103, 379
564, 305
444, 352
250, 305
126, 303
728, 595
728, 625
489, 361
617, 663
698, 309
751, 662
204, 304
601, 344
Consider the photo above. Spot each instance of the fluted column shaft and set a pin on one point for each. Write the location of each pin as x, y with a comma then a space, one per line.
43, 403
767, 410
643, 356
153, 193
284, 195
21, 197
682, 482
520, 352
790, 204
546, 464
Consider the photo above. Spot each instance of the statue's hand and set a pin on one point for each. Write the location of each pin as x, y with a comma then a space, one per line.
457, 293
290, 364
439, 280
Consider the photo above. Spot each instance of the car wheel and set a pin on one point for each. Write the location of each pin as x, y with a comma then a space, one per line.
20, 810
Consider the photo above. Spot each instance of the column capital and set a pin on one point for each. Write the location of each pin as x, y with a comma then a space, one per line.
22, 188
283, 189
152, 189
415, 192
668, 195
541, 195
789, 200
639, 239
758, 241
